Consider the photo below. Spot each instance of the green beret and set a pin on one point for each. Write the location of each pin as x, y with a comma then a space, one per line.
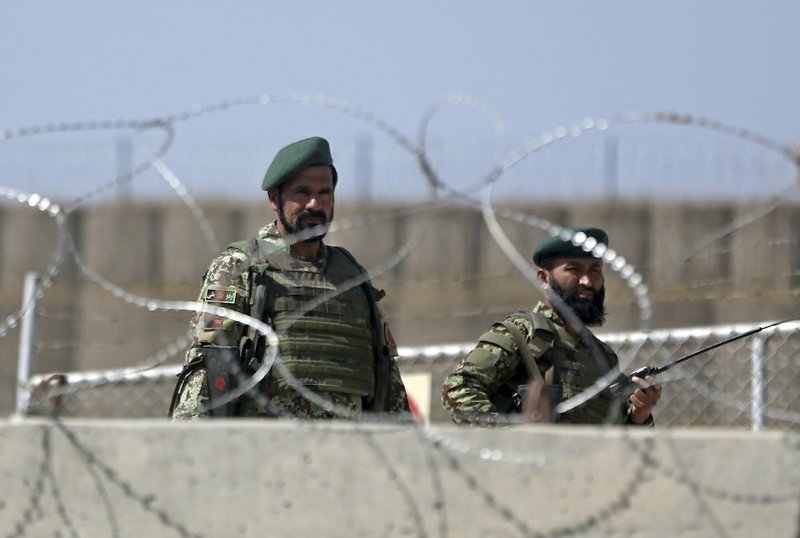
288, 161
557, 247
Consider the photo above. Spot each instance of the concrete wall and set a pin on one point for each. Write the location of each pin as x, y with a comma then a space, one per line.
450, 287
266, 478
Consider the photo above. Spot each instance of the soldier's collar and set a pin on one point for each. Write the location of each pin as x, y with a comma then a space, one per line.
321, 260
549, 313
270, 232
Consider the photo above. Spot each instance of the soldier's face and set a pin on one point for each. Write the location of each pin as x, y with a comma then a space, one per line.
305, 201
581, 284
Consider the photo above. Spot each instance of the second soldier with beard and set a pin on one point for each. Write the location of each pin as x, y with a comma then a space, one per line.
551, 349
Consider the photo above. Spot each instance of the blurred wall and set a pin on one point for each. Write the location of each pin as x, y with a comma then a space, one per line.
446, 278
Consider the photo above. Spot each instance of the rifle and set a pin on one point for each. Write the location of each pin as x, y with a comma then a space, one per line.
655, 370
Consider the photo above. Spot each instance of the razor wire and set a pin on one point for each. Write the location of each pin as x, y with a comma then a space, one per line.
633, 348
617, 263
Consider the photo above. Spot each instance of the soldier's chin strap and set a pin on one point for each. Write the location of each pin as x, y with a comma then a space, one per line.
655, 370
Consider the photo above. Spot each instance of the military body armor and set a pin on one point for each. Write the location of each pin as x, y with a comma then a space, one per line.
577, 366
322, 319
566, 364
331, 335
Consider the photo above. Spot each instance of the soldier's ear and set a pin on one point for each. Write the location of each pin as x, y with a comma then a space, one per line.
272, 194
544, 278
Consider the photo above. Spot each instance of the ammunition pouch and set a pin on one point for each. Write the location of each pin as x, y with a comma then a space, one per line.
506, 400
222, 371
553, 397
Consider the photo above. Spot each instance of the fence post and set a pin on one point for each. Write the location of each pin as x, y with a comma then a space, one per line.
758, 404
27, 337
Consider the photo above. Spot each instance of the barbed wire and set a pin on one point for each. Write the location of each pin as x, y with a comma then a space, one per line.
679, 474
617, 263
33, 510
396, 479
476, 197
145, 501
53, 210
627, 492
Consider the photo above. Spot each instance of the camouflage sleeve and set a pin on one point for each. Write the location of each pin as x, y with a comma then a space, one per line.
225, 284
192, 396
467, 391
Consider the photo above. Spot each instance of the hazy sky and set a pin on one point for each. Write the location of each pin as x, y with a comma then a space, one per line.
538, 64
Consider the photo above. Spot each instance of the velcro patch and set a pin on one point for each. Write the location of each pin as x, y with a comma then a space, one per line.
503, 341
214, 323
221, 295
387, 334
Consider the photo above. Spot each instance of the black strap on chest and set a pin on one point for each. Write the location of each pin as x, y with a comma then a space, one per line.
543, 334
261, 290
536, 399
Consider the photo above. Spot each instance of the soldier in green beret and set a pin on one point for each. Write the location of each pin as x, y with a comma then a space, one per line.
535, 359
333, 338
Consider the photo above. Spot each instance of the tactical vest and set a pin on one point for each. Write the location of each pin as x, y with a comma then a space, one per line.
331, 335
322, 319
570, 366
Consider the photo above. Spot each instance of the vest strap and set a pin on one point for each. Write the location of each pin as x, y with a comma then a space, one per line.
536, 404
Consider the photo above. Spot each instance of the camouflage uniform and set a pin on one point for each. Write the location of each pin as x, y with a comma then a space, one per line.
483, 388
227, 284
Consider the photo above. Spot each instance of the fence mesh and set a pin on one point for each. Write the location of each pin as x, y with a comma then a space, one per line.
714, 389
734, 259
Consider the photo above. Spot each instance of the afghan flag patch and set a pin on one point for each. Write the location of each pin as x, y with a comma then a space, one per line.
221, 295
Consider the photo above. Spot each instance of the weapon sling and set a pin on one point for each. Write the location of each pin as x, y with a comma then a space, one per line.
536, 403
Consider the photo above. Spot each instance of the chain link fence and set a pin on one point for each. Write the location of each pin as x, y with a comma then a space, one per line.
749, 383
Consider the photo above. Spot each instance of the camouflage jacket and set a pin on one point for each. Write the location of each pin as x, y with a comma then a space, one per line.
484, 386
227, 284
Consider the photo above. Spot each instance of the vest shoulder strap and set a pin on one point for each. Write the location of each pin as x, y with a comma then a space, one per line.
383, 359
608, 349
341, 260
542, 335
348, 255
257, 249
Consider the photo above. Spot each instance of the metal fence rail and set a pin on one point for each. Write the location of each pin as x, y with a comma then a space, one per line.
751, 383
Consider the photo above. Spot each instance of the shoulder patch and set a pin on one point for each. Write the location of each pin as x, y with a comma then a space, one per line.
214, 323
503, 341
220, 295
390, 342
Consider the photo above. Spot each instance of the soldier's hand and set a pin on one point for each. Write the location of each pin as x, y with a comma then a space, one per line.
644, 398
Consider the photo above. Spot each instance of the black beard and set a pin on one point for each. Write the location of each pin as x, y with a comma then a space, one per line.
592, 311
306, 213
